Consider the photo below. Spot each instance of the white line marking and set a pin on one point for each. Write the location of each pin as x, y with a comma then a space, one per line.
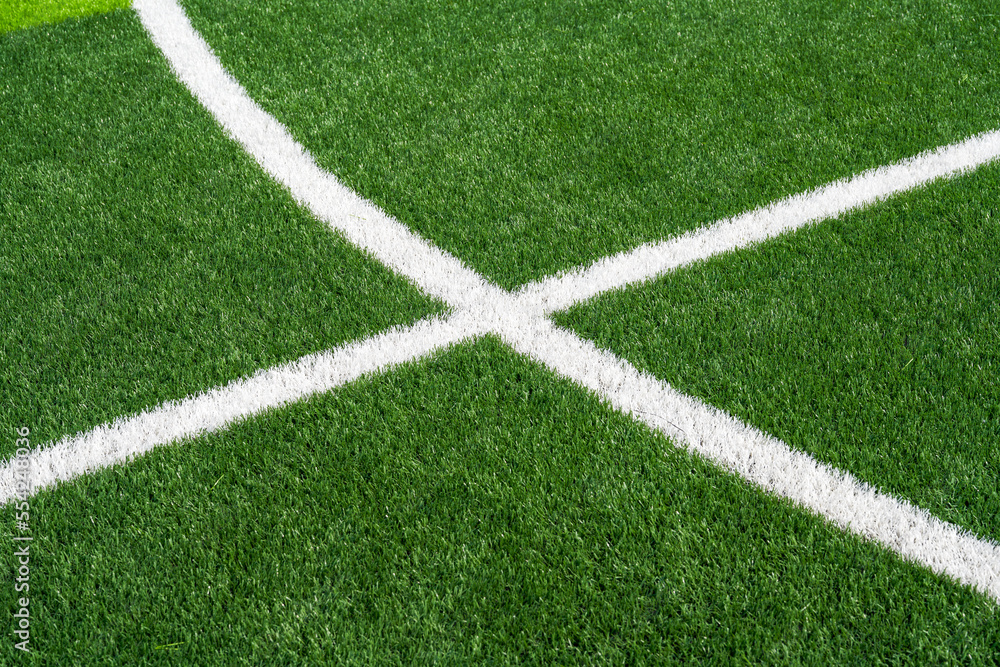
763, 460
520, 321
270, 144
654, 259
218, 408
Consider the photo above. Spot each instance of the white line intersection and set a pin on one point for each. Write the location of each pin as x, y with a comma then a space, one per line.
521, 321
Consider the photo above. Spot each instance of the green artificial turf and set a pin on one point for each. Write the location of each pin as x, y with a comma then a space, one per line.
16, 14
145, 256
871, 341
530, 137
467, 510
473, 508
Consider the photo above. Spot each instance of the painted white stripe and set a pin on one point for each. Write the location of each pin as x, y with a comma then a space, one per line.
520, 322
654, 259
219, 408
364, 224
765, 461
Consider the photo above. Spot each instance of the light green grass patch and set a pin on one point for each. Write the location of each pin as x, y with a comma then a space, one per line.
16, 14
145, 255
470, 509
871, 341
529, 137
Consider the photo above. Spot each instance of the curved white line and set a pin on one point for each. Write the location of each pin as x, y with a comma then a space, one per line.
284, 159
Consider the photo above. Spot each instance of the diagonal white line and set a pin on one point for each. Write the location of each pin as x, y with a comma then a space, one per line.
763, 460
653, 259
520, 321
219, 408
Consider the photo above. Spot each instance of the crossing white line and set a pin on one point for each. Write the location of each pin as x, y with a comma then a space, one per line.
520, 320
654, 259
219, 408
910, 531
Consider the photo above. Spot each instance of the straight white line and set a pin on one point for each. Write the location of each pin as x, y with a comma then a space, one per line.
288, 162
482, 308
219, 408
763, 460
653, 259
